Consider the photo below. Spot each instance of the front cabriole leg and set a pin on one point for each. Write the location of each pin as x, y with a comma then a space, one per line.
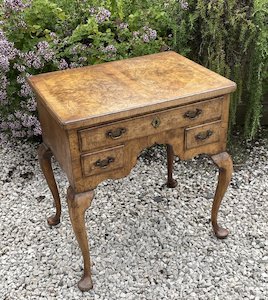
44, 157
78, 204
224, 162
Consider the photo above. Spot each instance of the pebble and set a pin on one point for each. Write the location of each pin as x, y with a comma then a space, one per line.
147, 242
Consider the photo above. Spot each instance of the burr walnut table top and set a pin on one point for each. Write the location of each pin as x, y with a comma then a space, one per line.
115, 90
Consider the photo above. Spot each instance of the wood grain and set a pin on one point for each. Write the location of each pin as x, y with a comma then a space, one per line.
96, 121
100, 93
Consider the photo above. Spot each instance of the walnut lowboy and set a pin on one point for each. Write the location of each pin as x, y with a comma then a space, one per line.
96, 120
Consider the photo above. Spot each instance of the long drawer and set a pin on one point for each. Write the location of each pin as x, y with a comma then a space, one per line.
118, 132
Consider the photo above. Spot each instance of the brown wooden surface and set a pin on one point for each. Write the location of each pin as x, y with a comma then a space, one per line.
100, 93
97, 120
77, 205
225, 164
188, 115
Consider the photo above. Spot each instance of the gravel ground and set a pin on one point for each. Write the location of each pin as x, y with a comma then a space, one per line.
147, 241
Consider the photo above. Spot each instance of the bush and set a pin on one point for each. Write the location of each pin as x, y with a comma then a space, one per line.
43, 35
36, 36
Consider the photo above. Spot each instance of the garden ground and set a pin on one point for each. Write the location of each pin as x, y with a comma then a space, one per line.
147, 241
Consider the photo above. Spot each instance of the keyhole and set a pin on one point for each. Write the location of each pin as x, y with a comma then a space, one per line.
156, 122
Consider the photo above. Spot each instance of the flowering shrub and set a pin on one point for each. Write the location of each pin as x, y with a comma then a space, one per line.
36, 36
46, 35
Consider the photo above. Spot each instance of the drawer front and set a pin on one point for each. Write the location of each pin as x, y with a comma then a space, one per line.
102, 161
119, 132
202, 135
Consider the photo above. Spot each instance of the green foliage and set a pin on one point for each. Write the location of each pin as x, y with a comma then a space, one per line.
232, 40
227, 36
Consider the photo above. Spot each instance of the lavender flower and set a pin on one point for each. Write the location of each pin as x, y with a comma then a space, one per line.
123, 26
3, 97
184, 4
31, 59
25, 90
20, 68
152, 34
109, 49
44, 50
31, 104
102, 15
15, 5
37, 129
4, 63
63, 64
149, 34
3, 82
21, 79
29, 120
74, 65
7, 49
145, 38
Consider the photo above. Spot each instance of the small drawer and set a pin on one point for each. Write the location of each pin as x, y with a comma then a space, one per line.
183, 116
202, 135
102, 161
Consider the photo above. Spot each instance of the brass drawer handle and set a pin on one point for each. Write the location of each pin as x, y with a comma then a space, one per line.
104, 163
116, 134
156, 122
203, 135
193, 114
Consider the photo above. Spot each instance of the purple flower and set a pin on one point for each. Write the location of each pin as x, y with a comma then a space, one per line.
42, 47
4, 63
123, 26
184, 4
74, 65
20, 68
32, 60
44, 50
102, 15
3, 82
28, 120
152, 34
7, 49
25, 90
15, 5
31, 104
109, 49
21, 79
82, 59
3, 97
149, 34
63, 64
145, 38
36, 63
2, 35
37, 129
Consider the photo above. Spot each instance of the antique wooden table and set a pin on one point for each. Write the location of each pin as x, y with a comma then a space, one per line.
96, 120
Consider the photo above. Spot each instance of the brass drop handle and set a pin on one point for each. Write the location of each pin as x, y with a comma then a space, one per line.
193, 114
116, 134
104, 163
203, 135
156, 122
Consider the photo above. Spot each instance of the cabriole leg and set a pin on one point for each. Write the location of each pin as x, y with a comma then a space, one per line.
44, 157
171, 183
78, 204
225, 165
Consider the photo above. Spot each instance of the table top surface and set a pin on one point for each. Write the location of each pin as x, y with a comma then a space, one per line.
127, 87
